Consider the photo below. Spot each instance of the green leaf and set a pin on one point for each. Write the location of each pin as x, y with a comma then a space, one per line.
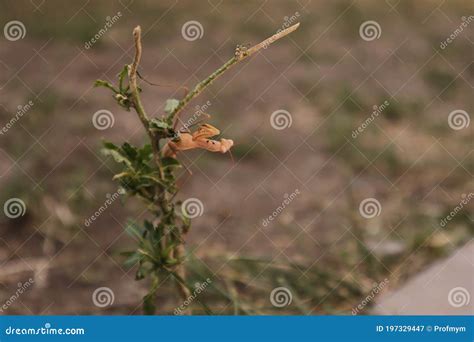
159, 125
169, 162
149, 226
110, 146
130, 151
132, 259
134, 230
145, 153
118, 157
102, 83
186, 221
153, 178
122, 76
121, 175
171, 105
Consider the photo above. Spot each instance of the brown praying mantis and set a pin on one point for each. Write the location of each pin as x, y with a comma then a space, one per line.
191, 140
198, 139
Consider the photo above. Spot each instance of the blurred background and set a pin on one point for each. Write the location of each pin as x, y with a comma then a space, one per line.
353, 134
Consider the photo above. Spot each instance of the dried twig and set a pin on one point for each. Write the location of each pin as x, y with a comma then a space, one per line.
239, 56
133, 81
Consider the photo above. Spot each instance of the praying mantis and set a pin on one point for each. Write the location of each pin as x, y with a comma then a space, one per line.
191, 140
198, 139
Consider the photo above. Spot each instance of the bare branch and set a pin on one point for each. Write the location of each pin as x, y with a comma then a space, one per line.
239, 56
132, 75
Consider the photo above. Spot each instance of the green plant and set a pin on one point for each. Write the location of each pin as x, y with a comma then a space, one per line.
149, 173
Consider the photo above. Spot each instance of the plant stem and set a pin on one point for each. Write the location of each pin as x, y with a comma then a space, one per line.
164, 202
133, 82
239, 56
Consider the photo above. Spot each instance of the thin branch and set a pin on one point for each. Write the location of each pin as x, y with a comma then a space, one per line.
137, 104
239, 56
272, 39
